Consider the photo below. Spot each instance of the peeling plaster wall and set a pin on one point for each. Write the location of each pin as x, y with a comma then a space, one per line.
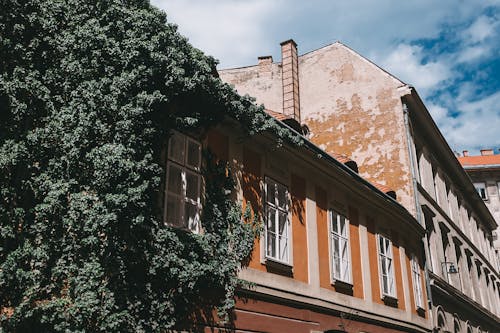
351, 106
261, 81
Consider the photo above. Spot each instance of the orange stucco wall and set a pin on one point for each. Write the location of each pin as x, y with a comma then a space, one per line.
397, 271
299, 229
251, 177
372, 250
357, 276
322, 227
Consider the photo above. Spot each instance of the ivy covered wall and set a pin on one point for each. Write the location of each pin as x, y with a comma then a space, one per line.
88, 94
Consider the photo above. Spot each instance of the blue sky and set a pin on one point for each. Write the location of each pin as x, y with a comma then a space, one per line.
449, 50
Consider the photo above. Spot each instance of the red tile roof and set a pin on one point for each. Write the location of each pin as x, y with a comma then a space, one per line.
277, 115
341, 158
479, 160
386, 189
383, 188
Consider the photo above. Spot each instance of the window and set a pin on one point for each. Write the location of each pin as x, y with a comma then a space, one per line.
481, 190
386, 266
277, 233
417, 283
183, 204
339, 240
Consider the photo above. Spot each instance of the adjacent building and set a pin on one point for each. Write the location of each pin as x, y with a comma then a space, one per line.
349, 106
484, 171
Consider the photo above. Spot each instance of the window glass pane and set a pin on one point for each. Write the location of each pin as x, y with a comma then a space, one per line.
283, 224
381, 244
191, 214
271, 192
271, 244
173, 210
342, 226
336, 246
383, 265
385, 284
336, 262
192, 186
282, 200
176, 147
271, 220
345, 271
335, 225
283, 248
174, 179
344, 250
193, 154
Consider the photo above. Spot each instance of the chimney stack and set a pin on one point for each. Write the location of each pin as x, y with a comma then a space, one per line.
486, 152
290, 79
465, 153
265, 60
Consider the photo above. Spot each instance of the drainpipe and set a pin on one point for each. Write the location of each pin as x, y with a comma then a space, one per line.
417, 206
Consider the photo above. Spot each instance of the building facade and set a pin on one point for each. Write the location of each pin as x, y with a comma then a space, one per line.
484, 171
352, 107
337, 253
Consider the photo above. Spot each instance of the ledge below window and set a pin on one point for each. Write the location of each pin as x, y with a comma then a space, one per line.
343, 287
390, 300
277, 267
421, 311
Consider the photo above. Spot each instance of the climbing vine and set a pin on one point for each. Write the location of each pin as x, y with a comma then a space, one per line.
88, 93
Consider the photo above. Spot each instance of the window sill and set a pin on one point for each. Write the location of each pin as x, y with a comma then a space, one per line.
390, 300
421, 311
343, 287
278, 267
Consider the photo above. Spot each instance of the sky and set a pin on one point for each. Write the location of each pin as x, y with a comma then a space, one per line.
449, 50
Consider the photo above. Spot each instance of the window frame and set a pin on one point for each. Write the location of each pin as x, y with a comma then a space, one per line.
343, 239
476, 186
186, 170
390, 275
418, 293
284, 210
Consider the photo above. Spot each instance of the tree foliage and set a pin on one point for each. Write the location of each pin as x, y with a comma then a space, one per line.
88, 94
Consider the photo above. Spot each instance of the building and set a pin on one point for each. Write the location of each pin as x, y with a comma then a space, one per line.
353, 107
337, 253
484, 171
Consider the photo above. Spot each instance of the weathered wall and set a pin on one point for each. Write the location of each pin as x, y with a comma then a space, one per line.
350, 105
353, 107
264, 82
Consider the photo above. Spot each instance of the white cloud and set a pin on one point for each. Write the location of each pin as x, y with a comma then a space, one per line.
406, 62
474, 125
472, 53
481, 29
232, 31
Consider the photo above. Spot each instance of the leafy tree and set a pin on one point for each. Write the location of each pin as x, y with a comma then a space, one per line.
88, 94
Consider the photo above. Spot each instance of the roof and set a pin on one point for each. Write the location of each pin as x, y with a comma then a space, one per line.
278, 115
282, 117
480, 161
341, 158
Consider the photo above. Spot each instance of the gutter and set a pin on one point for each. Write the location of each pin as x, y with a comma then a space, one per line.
482, 166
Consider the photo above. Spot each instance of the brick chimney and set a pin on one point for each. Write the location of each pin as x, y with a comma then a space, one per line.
290, 77
486, 152
465, 153
265, 60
